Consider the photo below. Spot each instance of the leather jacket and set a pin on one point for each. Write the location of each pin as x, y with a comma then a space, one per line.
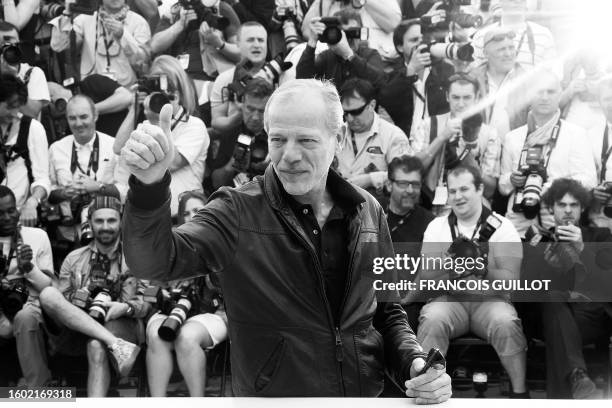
284, 341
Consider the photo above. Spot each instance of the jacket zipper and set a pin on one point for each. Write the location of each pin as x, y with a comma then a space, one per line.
335, 329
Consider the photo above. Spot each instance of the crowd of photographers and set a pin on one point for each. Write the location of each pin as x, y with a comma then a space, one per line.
451, 111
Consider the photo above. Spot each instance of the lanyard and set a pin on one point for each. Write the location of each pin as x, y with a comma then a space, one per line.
107, 44
401, 221
605, 155
4, 136
93, 158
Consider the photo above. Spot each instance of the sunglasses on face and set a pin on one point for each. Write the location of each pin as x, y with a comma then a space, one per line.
356, 112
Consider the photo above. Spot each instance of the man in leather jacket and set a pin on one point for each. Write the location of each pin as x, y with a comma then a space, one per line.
293, 250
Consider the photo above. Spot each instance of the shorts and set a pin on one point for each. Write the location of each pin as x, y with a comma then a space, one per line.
214, 323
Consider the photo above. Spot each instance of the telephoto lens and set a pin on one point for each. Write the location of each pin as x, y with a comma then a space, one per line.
97, 310
169, 329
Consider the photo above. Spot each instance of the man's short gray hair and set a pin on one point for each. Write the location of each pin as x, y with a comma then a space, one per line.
297, 88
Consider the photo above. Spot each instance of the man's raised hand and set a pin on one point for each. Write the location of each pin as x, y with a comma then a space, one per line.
149, 150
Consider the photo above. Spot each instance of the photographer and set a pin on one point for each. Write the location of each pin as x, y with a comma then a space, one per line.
113, 41
204, 328
415, 88
232, 157
536, 154
369, 143
188, 132
24, 162
202, 35
348, 58
95, 309
534, 43
252, 42
601, 140
23, 14
568, 324
441, 142
27, 268
486, 313
83, 165
11, 62
380, 17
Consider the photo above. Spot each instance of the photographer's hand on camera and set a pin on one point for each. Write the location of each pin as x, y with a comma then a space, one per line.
24, 258
116, 310
86, 184
571, 233
186, 16
343, 49
600, 193
316, 30
432, 387
517, 179
418, 61
149, 151
210, 36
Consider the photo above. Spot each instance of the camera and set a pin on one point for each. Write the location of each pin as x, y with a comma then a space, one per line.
205, 11
176, 304
271, 71
286, 16
98, 310
333, 32
156, 86
451, 51
11, 53
470, 129
527, 199
83, 7
536, 234
51, 10
13, 295
467, 20
248, 150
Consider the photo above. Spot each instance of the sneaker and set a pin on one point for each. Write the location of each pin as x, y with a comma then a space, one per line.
582, 386
123, 356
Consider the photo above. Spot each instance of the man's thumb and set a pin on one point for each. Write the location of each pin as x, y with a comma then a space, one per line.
165, 119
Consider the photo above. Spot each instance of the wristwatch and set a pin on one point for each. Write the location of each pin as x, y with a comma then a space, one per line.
130, 310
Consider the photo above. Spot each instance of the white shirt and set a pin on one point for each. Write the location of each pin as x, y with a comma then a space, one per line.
110, 171
375, 150
571, 157
42, 255
17, 172
37, 84
220, 94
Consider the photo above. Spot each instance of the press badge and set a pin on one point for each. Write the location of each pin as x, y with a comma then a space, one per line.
440, 195
184, 60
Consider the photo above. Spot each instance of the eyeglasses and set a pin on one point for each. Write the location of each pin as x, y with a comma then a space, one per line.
403, 184
356, 112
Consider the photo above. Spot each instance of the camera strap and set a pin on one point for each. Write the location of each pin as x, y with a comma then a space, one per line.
605, 155
454, 228
180, 118
107, 44
93, 158
401, 221
551, 143
530, 42
5, 135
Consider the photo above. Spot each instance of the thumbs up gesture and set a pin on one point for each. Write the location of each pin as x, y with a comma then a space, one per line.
149, 150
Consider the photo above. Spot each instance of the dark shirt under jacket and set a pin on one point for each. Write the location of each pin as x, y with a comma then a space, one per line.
409, 228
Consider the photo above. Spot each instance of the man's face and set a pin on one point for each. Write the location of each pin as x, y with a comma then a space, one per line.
253, 44
501, 55
8, 37
460, 97
463, 196
106, 226
9, 216
300, 145
546, 96
9, 109
567, 210
358, 113
81, 119
605, 100
252, 112
412, 39
405, 189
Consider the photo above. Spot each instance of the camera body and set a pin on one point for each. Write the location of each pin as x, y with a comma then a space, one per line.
156, 86
333, 31
453, 51
13, 295
176, 304
51, 10
248, 150
205, 14
536, 234
11, 53
527, 199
